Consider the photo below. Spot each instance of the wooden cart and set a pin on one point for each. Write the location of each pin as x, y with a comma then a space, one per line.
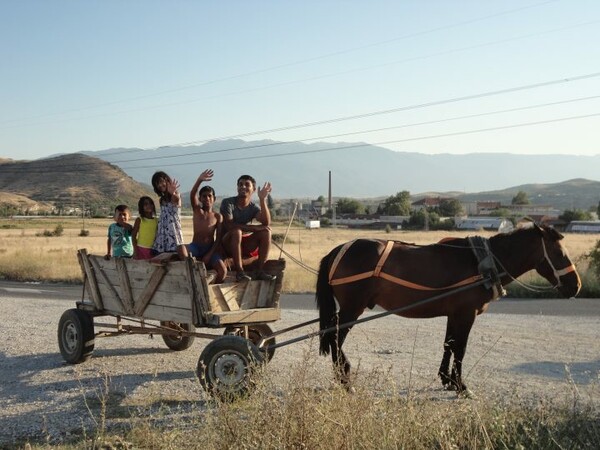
173, 298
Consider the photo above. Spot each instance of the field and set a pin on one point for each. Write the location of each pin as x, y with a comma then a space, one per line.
28, 251
536, 377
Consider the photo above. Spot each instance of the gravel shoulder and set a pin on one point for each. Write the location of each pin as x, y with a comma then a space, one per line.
42, 397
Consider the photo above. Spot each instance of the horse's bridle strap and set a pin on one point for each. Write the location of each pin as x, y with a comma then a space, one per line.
557, 272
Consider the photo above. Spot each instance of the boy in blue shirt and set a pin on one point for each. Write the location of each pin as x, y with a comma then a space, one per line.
119, 235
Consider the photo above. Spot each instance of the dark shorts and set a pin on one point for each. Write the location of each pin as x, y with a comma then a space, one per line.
199, 250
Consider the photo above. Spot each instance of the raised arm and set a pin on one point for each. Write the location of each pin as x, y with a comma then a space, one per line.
264, 216
204, 176
173, 189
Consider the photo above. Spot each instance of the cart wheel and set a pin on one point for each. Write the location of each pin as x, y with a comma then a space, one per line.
226, 366
256, 332
76, 336
175, 342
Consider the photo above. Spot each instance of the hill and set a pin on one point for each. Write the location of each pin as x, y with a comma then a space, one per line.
299, 170
68, 181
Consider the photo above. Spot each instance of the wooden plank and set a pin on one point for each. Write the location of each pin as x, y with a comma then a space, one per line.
91, 278
189, 262
257, 315
217, 299
168, 314
162, 298
110, 303
203, 295
146, 295
250, 297
124, 284
231, 297
262, 296
104, 281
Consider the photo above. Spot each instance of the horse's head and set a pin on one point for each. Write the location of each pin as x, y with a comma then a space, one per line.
556, 266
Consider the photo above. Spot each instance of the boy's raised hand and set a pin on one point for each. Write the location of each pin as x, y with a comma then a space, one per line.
206, 175
265, 191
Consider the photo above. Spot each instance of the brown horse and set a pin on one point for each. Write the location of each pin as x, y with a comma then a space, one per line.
364, 273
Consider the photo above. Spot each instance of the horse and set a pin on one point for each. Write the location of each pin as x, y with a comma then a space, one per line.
423, 281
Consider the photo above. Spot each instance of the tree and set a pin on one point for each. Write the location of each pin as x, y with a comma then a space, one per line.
349, 206
575, 214
396, 205
520, 199
321, 199
450, 207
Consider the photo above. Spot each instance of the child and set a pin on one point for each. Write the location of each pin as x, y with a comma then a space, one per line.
144, 229
204, 245
119, 235
169, 236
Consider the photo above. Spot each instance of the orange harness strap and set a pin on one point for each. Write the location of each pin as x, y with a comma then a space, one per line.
379, 274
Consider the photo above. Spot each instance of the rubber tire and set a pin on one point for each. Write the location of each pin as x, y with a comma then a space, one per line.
76, 336
255, 333
175, 342
228, 356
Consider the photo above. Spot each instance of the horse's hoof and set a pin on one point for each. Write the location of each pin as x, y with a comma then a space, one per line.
466, 393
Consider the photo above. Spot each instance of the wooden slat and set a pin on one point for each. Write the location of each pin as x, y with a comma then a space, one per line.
217, 299
263, 294
243, 316
182, 300
124, 283
91, 277
203, 295
189, 262
103, 280
168, 314
146, 295
249, 299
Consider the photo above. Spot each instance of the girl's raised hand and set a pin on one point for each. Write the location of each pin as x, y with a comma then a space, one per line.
173, 186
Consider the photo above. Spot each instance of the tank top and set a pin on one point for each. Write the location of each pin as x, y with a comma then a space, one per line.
147, 232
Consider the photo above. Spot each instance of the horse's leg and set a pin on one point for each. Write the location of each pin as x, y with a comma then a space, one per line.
461, 324
444, 371
340, 362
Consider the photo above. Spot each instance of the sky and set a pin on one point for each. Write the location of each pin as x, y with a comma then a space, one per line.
432, 77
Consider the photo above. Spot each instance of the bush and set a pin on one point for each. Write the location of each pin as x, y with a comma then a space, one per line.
388, 228
84, 233
594, 257
58, 230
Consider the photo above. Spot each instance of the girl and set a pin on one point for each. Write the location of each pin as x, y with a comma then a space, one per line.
169, 236
144, 229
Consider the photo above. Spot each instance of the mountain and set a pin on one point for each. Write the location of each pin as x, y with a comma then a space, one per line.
359, 170
69, 180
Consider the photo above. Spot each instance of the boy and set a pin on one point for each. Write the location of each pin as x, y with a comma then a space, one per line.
242, 239
119, 235
204, 244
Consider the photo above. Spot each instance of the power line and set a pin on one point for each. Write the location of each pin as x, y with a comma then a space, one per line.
290, 64
429, 122
321, 150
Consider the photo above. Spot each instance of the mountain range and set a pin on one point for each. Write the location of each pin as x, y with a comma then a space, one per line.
358, 170
300, 171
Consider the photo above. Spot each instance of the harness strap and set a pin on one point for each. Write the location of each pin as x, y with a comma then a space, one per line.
377, 273
338, 258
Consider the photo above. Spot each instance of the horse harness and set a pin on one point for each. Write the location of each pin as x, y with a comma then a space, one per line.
485, 265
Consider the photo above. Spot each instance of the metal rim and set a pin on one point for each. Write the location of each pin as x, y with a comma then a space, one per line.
70, 337
228, 370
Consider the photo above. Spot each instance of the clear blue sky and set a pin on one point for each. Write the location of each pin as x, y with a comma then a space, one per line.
93, 75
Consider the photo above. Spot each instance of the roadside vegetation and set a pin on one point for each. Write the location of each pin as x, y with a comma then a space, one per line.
45, 249
379, 414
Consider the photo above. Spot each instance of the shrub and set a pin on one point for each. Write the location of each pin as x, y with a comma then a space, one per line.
84, 233
58, 230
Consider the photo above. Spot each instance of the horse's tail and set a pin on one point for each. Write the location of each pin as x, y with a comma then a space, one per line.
325, 303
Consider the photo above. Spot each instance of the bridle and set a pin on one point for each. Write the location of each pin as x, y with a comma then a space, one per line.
558, 273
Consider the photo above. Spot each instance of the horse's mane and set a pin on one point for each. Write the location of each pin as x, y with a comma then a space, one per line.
532, 227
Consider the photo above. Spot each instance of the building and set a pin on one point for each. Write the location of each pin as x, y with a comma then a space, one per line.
583, 226
498, 224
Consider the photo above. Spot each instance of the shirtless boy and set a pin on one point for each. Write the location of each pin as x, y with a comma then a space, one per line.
207, 224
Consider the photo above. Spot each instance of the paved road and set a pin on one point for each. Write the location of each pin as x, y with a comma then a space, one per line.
550, 307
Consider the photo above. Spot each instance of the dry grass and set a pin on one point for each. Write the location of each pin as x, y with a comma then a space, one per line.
27, 257
306, 414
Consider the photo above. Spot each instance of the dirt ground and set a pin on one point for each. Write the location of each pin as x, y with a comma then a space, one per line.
529, 357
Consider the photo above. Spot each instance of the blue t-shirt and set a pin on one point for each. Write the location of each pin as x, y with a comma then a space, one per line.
120, 240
